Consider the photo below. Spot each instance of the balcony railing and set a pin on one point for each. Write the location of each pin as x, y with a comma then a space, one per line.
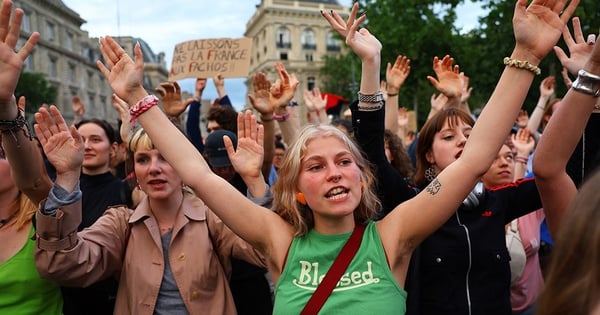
284, 45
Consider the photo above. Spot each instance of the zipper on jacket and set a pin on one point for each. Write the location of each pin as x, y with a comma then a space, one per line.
468, 292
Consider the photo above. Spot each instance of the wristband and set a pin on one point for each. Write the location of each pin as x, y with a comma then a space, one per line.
142, 106
370, 98
587, 83
283, 117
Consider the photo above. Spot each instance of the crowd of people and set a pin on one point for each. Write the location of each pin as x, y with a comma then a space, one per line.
273, 213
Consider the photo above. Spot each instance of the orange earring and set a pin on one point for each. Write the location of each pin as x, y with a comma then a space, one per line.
362, 184
300, 198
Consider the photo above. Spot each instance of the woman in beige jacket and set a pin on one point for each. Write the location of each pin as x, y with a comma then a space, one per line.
172, 254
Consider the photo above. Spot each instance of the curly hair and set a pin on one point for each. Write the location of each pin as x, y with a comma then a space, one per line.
285, 203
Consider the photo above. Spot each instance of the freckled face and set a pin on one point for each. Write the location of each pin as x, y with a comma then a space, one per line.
330, 178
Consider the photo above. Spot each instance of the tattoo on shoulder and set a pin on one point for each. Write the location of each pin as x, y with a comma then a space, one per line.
434, 187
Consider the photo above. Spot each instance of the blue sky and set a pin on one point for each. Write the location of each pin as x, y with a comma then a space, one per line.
163, 24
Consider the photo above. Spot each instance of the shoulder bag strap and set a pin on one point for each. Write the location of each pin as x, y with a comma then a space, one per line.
335, 272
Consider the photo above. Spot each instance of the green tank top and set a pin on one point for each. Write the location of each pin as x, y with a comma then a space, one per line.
22, 291
367, 287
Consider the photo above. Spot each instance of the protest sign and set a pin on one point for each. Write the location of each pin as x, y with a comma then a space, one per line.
207, 57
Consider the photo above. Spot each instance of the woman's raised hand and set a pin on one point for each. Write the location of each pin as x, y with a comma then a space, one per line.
360, 41
11, 60
123, 74
62, 144
538, 27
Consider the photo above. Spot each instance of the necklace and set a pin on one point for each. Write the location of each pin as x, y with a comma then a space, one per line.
6, 220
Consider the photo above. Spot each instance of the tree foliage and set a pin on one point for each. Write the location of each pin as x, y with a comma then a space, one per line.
422, 29
37, 90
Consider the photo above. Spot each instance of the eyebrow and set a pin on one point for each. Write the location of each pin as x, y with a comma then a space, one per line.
320, 157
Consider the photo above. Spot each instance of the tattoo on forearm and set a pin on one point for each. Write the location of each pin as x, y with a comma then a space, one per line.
434, 187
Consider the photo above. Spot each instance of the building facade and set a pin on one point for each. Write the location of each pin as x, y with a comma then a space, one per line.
295, 33
67, 55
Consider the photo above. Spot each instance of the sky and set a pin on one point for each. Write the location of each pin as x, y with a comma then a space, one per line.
163, 24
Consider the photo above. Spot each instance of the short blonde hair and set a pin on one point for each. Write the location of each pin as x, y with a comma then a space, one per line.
286, 187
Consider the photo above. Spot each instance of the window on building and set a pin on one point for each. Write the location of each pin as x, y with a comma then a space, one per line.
310, 83
90, 81
333, 44
283, 56
309, 57
52, 67
29, 63
50, 31
308, 40
69, 41
26, 23
72, 73
283, 38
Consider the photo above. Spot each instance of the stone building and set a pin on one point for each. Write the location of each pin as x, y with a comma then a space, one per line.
67, 55
295, 33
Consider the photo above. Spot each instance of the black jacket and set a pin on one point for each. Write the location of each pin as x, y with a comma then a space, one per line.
464, 264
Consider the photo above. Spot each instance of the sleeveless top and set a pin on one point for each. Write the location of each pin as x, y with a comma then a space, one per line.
22, 291
367, 286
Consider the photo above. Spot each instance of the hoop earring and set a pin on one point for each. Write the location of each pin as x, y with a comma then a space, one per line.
300, 198
430, 173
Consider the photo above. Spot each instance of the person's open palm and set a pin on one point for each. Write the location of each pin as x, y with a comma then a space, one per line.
62, 144
247, 158
170, 93
538, 27
123, 74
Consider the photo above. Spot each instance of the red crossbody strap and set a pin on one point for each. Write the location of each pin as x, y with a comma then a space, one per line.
334, 274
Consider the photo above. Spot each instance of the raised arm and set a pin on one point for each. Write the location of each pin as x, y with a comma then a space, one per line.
546, 91
260, 101
537, 28
524, 143
78, 109
448, 81
556, 188
170, 93
262, 229
26, 162
395, 75
282, 93
247, 159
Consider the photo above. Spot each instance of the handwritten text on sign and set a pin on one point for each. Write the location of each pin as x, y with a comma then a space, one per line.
207, 57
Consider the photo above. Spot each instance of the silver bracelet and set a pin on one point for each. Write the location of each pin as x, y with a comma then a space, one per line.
587, 83
370, 98
370, 108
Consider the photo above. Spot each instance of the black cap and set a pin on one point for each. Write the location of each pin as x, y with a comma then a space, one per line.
214, 148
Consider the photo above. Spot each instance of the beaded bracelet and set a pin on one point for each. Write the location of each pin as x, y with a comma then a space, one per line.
283, 117
13, 126
142, 106
521, 64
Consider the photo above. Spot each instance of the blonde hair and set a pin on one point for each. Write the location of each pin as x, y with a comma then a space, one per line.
26, 210
285, 203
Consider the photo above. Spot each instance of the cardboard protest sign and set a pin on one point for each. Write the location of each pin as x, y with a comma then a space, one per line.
207, 57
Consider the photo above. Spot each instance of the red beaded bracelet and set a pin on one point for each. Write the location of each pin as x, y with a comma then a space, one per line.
283, 117
142, 106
